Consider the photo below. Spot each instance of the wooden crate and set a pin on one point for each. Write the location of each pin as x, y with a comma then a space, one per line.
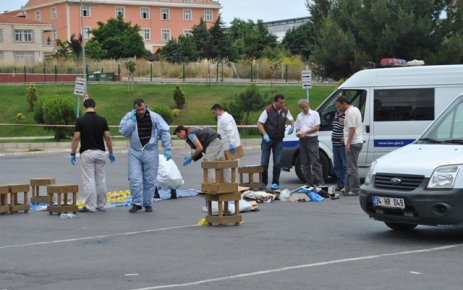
4, 199
223, 217
250, 172
238, 154
36, 183
15, 191
62, 192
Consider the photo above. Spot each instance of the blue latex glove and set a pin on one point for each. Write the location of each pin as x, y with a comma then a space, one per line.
72, 159
232, 149
111, 157
266, 138
291, 130
187, 160
133, 115
168, 154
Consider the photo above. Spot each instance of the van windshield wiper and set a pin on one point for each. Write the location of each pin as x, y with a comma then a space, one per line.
454, 141
429, 140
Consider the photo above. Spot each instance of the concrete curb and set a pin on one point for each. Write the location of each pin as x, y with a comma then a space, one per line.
21, 149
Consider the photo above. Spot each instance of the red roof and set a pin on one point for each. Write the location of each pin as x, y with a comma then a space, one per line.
5, 18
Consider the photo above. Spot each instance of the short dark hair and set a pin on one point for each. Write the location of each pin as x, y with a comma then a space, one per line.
342, 100
278, 97
180, 128
216, 107
138, 102
89, 103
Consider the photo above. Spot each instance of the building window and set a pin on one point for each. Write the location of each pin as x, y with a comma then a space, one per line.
87, 32
207, 15
23, 35
24, 57
187, 1
187, 14
187, 32
38, 15
86, 11
165, 13
54, 13
144, 13
145, 33
165, 35
120, 11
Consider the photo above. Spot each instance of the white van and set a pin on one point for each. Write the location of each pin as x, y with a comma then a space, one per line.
397, 104
421, 183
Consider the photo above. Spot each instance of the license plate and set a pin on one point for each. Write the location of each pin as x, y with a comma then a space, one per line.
388, 202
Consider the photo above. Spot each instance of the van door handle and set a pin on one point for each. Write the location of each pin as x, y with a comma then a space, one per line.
367, 128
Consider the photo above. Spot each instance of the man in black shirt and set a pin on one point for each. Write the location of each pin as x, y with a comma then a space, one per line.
90, 130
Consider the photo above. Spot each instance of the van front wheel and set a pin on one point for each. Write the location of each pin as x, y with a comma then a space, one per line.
297, 166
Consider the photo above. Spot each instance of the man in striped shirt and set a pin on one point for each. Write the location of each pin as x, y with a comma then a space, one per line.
339, 149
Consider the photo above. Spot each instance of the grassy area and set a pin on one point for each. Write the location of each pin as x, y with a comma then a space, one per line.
114, 100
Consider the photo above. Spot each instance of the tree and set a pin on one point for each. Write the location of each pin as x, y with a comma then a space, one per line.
218, 45
179, 97
75, 44
62, 49
274, 57
56, 110
31, 97
297, 40
131, 67
248, 101
94, 50
200, 35
119, 39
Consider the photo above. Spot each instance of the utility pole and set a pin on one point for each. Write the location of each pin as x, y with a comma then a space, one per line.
84, 63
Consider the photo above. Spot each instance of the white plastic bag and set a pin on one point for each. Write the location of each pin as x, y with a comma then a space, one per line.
168, 174
244, 207
284, 195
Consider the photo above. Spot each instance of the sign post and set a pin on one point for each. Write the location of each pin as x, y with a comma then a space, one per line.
306, 78
80, 89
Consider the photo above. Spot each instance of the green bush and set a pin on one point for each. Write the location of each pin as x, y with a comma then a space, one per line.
56, 111
32, 97
165, 112
179, 97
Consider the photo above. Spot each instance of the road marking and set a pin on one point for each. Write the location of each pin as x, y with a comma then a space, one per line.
129, 275
415, 273
96, 237
312, 265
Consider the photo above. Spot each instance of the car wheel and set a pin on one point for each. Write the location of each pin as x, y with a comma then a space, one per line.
298, 168
400, 226
326, 166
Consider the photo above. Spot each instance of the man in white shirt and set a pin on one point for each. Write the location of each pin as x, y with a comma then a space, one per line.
226, 127
353, 139
272, 124
307, 126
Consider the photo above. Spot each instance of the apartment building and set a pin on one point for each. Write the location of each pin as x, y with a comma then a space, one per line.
159, 20
25, 41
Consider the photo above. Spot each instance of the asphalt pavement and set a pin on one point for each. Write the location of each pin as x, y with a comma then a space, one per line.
285, 245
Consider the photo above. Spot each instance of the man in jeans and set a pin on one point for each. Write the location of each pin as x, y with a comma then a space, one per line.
339, 149
90, 130
353, 140
271, 124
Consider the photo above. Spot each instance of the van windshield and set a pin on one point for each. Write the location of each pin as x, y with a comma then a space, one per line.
328, 108
448, 128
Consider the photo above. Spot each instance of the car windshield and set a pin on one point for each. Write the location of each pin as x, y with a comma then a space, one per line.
448, 127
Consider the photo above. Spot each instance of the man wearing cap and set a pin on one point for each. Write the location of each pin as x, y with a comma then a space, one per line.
92, 131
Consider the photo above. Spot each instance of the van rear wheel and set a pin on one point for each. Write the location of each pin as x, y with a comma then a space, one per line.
326, 168
400, 226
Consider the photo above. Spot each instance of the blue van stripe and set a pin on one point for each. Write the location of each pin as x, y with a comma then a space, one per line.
291, 144
392, 142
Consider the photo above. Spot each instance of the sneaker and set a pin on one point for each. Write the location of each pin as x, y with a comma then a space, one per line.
135, 208
264, 187
338, 188
100, 208
148, 208
275, 186
84, 209
156, 193
334, 196
350, 193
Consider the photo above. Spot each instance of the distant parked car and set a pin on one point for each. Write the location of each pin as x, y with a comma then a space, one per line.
392, 62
